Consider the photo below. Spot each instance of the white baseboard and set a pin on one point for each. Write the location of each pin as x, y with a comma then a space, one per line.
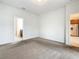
50, 38
26, 38
14, 42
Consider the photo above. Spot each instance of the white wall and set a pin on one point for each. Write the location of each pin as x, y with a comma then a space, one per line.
7, 14
71, 8
52, 25
49, 25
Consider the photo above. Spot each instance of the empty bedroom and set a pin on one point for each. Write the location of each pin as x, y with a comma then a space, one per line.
39, 29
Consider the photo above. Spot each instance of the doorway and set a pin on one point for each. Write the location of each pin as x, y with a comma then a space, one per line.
74, 30
18, 28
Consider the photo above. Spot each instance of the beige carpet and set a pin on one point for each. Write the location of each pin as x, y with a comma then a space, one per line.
37, 49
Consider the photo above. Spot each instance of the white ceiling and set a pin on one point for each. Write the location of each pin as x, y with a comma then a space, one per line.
36, 8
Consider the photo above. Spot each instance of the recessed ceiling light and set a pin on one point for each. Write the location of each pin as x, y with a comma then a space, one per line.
39, 2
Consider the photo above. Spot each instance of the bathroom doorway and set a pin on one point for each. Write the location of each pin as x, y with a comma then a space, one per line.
74, 30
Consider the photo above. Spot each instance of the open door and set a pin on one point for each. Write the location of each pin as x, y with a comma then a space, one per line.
18, 28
